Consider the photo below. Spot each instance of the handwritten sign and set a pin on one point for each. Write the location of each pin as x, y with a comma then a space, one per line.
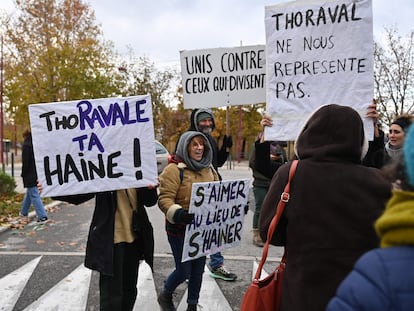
223, 76
218, 220
94, 145
318, 53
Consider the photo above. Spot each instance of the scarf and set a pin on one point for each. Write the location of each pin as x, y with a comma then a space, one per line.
182, 151
396, 224
393, 152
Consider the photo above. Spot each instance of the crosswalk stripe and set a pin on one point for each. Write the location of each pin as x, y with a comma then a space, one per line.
211, 297
12, 285
147, 297
263, 273
70, 294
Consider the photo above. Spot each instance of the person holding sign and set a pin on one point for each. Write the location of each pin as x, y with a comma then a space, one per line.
202, 120
334, 201
120, 235
194, 155
275, 156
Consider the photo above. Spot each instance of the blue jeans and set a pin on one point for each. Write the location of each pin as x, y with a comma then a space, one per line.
192, 270
32, 197
216, 260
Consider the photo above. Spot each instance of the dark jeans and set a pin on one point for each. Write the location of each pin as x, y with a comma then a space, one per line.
259, 195
119, 292
191, 270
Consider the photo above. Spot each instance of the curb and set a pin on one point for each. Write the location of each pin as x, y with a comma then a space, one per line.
32, 215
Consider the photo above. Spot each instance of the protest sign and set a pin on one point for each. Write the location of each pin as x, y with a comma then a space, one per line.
318, 53
223, 76
94, 145
219, 213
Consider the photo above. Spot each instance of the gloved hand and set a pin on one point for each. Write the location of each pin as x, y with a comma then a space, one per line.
181, 216
227, 141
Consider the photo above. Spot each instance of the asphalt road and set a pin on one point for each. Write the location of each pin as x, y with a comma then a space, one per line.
59, 248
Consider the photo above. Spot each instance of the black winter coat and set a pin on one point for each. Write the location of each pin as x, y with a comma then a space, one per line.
99, 247
29, 173
334, 201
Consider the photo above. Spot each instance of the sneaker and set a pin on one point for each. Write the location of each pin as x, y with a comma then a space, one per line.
222, 273
42, 220
21, 215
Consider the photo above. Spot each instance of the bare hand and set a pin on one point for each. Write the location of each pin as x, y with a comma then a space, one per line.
39, 187
373, 114
372, 111
266, 121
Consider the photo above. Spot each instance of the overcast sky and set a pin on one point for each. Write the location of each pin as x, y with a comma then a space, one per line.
159, 29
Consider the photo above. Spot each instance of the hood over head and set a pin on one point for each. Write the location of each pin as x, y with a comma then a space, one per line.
198, 115
182, 151
332, 132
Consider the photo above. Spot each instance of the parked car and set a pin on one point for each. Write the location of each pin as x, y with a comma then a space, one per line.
162, 155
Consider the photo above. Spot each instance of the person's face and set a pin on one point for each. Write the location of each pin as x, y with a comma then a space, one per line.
396, 136
206, 125
196, 148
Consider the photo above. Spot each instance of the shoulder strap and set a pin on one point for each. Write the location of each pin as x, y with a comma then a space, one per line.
181, 174
284, 198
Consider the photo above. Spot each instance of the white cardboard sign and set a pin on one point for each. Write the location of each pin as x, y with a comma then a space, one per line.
94, 145
219, 216
318, 53
223, 76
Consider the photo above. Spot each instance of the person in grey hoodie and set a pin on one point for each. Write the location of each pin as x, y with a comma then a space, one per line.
194, 156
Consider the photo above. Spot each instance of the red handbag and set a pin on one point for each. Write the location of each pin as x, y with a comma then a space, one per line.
266, 294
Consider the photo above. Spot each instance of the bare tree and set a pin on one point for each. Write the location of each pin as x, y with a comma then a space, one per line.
394, 75
142, 76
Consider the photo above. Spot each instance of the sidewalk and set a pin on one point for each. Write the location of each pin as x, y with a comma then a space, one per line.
16, 170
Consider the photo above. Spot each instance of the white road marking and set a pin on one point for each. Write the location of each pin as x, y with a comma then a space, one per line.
211, 297
147, 295
263, 273
12, 285
69, 294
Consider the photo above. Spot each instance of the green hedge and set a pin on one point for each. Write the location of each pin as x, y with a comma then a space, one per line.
7, 183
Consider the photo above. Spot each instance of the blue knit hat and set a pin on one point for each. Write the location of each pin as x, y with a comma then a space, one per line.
409, 155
